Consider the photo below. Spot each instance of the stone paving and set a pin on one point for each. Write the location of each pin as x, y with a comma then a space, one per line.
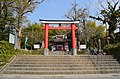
89, 76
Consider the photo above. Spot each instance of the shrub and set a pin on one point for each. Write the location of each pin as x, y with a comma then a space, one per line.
112, 48
5, 47
81, 52
6, 52
29, 52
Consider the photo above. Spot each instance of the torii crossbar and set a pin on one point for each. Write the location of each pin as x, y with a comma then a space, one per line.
46, 27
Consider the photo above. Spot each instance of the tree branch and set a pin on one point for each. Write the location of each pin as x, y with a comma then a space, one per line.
26, 12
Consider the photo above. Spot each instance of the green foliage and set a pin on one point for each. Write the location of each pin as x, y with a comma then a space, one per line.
34, 33
29, 52
5, 57
81, 52
91, 33
108, 47
6, 52
7, 19
111, 15
112, 48
117, 37
20, 9
5, 47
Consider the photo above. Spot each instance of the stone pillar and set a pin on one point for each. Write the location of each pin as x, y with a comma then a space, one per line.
74, 51
46, 40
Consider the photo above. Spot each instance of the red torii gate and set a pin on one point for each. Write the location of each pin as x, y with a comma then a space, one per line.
72, 27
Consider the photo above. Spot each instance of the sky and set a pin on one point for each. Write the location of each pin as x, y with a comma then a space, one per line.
56, 9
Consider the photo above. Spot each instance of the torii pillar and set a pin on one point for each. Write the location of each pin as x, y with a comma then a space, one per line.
74, 51
46, 39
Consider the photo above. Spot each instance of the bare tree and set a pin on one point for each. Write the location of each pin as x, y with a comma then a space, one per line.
76, 13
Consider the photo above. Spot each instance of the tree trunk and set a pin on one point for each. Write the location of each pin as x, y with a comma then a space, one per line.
19, 29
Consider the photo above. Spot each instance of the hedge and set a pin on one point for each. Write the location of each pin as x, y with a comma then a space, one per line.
6, 52
5, 47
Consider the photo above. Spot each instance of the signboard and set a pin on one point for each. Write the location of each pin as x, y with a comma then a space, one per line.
36, 46
82, 46
11, 38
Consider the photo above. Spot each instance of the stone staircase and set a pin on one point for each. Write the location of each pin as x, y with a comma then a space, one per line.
62, 65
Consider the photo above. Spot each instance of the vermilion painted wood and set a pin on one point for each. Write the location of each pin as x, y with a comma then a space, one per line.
73, 35
46, 36
59, 28
47, 27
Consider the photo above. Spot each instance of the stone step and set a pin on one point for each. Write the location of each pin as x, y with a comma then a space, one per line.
55, 72
74, 59
65, 61
67, 64
53, 63
63, 57
82, 55
61, 65
66, 56
51, 68
50, 59
106, 62
63, 68
50, 65
86, 69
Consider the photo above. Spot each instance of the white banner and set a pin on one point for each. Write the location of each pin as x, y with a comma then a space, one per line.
11, 38
82, 46
36, 46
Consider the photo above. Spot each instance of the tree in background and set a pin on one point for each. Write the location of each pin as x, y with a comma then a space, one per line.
13, 13
76, 13
93, 34
23, 7
88, 32
7, 19
110, 15
34, 34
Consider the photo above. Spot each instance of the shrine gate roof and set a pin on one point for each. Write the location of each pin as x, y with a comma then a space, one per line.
59, 21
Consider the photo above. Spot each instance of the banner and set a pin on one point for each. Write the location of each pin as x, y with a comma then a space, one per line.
11, 38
